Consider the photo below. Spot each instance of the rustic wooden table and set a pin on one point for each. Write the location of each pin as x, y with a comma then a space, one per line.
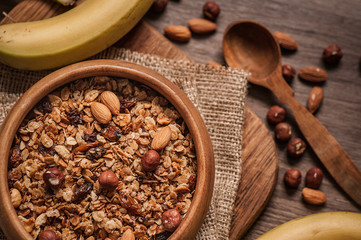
314, 24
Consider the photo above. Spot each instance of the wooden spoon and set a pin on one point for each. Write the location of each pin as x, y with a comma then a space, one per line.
251, 46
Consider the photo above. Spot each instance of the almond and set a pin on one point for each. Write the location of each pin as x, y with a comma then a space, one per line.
315, 99
110, 100
161, 138
285, 41
313, 196
101, 112
178, 33
128, 235
202, 26
313, 74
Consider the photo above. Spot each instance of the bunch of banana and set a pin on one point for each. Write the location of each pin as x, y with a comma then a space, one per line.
72, 36
320, 226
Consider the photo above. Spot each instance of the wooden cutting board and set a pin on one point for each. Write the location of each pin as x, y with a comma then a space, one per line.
259, 156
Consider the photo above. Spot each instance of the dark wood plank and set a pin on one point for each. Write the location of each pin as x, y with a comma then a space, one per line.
260, 163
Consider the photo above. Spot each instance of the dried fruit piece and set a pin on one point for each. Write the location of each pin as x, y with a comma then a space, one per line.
211, 10
332, 54
101, 112
82, 192
44, 105
15, 157
127, 104
178, 33
313, 74
285, 41
74, 117
110, 100
315, 99
112, 133
202, 26
95, 153
313, 197
161, 138
130, 204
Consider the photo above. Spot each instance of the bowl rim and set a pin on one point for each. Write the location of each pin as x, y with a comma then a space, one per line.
9, 222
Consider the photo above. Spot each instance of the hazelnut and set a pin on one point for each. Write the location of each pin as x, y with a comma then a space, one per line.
159, 5
293, 177
150, 160
171, 220
276, 114
108, 180
53, 178
48, 235
314, 178
332, 54
283, 132
211, 10
296, 147
288, 72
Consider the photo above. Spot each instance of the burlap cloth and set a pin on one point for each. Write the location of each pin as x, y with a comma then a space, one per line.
218, 93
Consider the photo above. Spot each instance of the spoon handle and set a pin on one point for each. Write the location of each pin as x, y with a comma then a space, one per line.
326, 147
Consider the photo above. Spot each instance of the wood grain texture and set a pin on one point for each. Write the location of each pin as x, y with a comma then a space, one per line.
314, 24
260, 163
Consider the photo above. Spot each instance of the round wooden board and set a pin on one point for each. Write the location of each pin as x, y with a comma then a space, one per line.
259, 155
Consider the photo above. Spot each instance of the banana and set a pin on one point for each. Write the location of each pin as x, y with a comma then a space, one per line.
320, 226
72, 36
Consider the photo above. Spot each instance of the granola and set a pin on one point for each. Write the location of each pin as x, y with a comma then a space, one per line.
61, 133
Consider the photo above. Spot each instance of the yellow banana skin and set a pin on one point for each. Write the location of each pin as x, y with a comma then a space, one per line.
72, 36
319, 226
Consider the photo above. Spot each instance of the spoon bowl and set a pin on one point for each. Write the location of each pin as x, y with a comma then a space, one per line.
251, 46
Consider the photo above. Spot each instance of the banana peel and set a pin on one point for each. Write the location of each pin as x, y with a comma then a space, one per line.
319, 226
72, 36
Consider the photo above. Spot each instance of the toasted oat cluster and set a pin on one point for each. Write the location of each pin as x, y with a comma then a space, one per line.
101, 158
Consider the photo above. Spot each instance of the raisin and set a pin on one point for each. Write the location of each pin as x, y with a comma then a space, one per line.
82, 192
74, 117
44, 105
162, 236
192, 182
46, 151
95, 153
111, 133
90, 137
15, 158
127, 104
130, 204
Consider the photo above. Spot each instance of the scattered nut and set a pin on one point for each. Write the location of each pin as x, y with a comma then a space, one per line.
211, 10
110, 100
101, 112
293, 177
108, 180
161, 138
171, 220
150, 160
48, 235
159, 5
313, 197
285, 41
314, 178
15, 197
202, 26
332, 54
296, 147
288, 72
276, 114
313, 74
315, 99
53, 178
178, 33
283, 131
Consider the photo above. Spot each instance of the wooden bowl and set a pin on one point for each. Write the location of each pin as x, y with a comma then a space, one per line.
190, 225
